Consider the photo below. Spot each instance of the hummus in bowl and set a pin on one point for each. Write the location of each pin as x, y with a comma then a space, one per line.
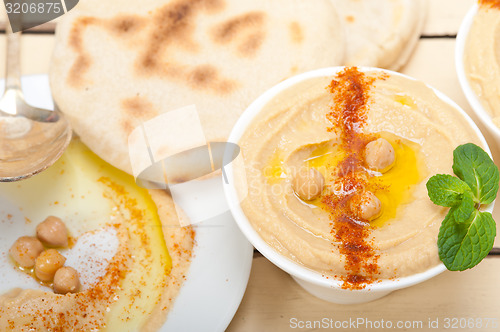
323, 122
477, 61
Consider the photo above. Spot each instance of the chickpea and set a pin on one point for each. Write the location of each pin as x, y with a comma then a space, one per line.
25, 250
52, 232
379, 155
308, 183
366, 206
66, 280
47, 263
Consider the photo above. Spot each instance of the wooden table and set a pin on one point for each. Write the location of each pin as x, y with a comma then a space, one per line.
274, 302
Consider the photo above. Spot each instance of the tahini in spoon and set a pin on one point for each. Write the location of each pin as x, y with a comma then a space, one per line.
31, 139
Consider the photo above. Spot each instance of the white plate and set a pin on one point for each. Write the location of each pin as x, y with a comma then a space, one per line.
471, 96
219, 271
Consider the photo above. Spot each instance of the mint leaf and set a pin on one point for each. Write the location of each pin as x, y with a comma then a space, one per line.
464, 210
466, 235
446, 190
463, 245
473, 165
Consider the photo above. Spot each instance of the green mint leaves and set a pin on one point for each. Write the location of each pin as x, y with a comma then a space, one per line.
466, 235
446, 190
474, 166
463, 245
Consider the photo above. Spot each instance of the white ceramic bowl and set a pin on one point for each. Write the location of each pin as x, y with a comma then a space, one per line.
471, 96
312, 281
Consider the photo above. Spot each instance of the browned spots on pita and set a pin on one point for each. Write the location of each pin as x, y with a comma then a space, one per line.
139, 108
79, 67
120, 25
125, 24
251, 44
245, 31
214, 6
349, 19
296, 32
207, 77
127, 126
83, 60
175, 23
226, 86
75, 35
203, 75
136, 109
230, 30
174, 28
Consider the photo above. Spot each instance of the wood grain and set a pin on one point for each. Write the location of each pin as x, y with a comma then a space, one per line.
273, 299
444, 16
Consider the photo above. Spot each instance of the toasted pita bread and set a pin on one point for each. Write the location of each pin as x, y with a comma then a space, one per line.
381, 33
118, 63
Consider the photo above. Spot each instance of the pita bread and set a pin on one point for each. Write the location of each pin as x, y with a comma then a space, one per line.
118, 63
381, 33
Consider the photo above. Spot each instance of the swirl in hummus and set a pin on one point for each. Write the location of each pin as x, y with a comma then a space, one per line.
326, 124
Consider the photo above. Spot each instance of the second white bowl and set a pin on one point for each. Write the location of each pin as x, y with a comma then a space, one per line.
471, 96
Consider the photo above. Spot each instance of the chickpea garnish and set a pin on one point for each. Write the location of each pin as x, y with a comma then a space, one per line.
367, 206
25, 250
66, 280
379, 155
47, 263
52, 232
308, 183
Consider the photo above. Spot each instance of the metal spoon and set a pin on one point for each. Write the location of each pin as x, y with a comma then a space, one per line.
31, 139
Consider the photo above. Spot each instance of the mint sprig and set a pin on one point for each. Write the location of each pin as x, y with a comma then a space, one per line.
467, 234
464, 211
474, 166
446, 190
463, 245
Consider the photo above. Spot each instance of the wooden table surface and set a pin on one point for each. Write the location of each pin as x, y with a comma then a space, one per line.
274, 302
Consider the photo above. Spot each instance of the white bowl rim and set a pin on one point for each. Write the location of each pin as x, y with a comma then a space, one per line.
271, 254
471, 96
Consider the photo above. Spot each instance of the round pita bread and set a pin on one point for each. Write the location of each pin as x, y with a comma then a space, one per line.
117, 63
381, 33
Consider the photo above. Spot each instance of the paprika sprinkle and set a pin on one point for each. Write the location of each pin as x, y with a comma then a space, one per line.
492, 3
348, 115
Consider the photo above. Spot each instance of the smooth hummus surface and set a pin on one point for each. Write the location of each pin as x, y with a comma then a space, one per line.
300, 128
482, 57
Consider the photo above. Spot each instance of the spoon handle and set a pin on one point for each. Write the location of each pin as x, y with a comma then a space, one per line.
12, 64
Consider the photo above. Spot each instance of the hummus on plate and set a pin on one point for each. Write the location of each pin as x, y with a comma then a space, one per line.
325, 124
482, 57
137, 284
